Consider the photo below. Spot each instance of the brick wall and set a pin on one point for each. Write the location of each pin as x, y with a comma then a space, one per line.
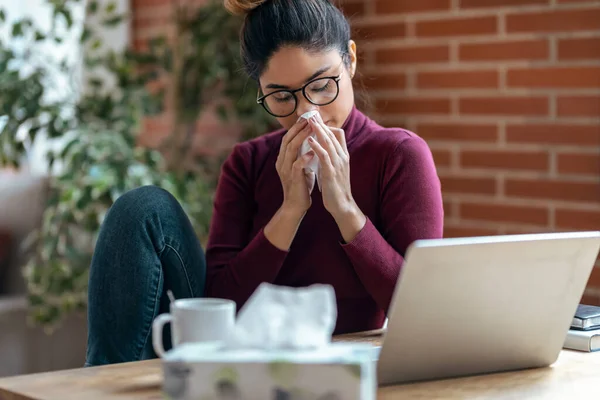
153, 18
506, 92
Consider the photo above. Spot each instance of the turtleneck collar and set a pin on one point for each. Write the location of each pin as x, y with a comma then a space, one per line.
354, 125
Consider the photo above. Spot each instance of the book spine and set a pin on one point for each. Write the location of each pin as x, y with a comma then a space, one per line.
574, 341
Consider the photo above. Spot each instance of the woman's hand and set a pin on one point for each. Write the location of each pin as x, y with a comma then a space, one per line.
297, 184
330, 147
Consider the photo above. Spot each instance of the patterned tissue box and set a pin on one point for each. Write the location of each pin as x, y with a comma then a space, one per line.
341, 371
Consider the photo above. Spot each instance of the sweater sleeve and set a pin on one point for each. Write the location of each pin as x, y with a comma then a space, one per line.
236, 262
410, 208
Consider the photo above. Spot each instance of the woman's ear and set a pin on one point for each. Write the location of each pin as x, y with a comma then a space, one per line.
353, 57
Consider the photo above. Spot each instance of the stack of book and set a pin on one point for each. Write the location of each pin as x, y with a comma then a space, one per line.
584, 334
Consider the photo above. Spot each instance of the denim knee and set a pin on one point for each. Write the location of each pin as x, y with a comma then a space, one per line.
137, 204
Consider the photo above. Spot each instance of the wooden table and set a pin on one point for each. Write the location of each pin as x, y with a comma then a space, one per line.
575, 375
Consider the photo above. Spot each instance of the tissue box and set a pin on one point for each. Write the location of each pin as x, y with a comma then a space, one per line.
339, 371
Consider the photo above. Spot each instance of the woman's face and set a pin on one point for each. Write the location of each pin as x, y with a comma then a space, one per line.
292, 67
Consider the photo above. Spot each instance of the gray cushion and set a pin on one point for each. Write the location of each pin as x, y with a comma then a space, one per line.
22, 203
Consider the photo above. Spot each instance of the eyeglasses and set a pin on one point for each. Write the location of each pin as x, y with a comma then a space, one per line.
320, 92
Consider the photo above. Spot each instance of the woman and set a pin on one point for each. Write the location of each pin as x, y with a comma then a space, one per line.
377, 192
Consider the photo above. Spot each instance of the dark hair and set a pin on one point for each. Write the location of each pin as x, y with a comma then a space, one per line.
313, 25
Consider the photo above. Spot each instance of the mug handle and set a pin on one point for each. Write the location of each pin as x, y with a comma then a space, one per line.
157, 333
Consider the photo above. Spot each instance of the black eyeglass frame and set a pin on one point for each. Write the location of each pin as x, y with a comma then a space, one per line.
261, 99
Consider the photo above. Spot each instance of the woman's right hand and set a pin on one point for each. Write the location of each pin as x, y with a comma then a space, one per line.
297, 184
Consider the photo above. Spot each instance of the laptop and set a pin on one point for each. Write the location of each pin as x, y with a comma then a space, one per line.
478, 305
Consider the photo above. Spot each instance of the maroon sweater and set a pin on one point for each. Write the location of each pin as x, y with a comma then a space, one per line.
395, 184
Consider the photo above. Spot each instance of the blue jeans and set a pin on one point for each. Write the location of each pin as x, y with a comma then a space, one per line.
145, 247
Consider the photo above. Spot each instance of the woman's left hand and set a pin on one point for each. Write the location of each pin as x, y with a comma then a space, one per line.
334, 178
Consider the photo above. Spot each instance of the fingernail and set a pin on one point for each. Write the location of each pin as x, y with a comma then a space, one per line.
311, 139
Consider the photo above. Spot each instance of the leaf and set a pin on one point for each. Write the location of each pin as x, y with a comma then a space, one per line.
96, 44
93, 7
17, 29
113, 21
222, 112
95, 82
2, 15
39, 36
111, 7
66, 13
86, 34
69, 146
33, 131
157, 42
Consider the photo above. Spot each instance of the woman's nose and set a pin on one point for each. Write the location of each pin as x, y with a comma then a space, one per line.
305, 106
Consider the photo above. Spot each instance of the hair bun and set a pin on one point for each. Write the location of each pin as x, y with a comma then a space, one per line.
241, 7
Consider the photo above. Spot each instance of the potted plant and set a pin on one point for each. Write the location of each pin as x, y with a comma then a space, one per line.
100, 156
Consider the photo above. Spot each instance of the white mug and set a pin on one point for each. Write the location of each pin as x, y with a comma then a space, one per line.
195, 321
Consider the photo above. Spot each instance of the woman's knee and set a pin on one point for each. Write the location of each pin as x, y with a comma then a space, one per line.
141, 202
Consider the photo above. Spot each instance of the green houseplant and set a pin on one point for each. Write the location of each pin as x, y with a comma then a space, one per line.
98, 127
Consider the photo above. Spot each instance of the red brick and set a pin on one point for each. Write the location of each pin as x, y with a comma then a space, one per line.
457, 27
506, 160
594, 281
555, 77
511, 50
442, 157
578, 106
592, 300
524, 230
458, 132
457, 79
579, 49
152, 139
504, 105
554, 21
459, 232
413, 106
579, 164
386, 81
395, 122
554, 134
553, 189
382, 31
140, 45
405, 6
577, 219
463, 185
152, 19
158, 123
352, 8
576, 1
504, 213
412, 54
448, 209
498, 3
138, 4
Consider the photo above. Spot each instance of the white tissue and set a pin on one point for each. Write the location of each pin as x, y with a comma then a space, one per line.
313, 165
285, 318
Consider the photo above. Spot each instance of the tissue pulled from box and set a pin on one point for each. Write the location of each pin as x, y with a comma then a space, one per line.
279, 317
